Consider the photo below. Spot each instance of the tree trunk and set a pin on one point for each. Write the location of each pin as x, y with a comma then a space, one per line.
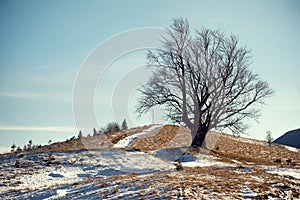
199, 139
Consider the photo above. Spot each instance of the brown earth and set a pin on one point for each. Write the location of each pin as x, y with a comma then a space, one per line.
165, 137
225, 147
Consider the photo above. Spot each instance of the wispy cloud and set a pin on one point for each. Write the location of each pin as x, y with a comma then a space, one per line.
19, 94
55, 96
37, 128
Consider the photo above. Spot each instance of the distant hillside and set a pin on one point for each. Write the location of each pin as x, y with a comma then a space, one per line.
291, 138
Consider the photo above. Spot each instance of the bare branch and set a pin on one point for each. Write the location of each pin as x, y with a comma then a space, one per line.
203, 80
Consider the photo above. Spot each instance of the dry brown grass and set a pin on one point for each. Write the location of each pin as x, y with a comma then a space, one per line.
224, 146
165, 137
93, 142
198, 182
257, 152
156, 139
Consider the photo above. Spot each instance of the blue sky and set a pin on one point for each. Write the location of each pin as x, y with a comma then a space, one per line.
43, 44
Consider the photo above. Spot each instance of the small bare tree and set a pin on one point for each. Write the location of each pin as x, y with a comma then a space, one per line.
203, 81
269, 137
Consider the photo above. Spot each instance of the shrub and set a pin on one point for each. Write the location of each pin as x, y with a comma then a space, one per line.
13, 148
278, 160
17, 164
179, 166
111, 127
19, 149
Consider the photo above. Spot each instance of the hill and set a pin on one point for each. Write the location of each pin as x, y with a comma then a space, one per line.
290, 138
152, 162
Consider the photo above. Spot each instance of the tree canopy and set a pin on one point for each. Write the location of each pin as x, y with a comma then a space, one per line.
203, 81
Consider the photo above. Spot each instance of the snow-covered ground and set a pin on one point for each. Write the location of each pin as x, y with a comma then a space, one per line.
292, 148
128, 140
202, 161
284, 171
76, 166
114, 173
187, 160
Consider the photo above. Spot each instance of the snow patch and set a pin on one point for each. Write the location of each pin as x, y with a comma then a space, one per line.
292, 149
101, 163
170, 154
284, 171
202, 160
126, 142
235, 161
248, 193
187, 160
48, 178
61, 193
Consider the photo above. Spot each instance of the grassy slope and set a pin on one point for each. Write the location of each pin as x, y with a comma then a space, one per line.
249, 157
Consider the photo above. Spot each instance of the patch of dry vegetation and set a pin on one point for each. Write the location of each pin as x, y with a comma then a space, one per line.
165, 137
252, 151
156, 139
201, 183
226, 147
94, 142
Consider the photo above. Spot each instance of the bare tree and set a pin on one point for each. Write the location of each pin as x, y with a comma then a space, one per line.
203, 81
269, 137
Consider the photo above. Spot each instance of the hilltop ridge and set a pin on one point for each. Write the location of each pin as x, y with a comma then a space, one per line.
290, 138
152, 162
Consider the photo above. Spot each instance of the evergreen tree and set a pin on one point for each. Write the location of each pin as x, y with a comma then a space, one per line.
80, 134
95, 132
29, 145
111, 127
124, 125
13, 146
19, 149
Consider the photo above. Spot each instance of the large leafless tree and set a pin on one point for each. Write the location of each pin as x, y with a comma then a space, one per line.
203, 81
